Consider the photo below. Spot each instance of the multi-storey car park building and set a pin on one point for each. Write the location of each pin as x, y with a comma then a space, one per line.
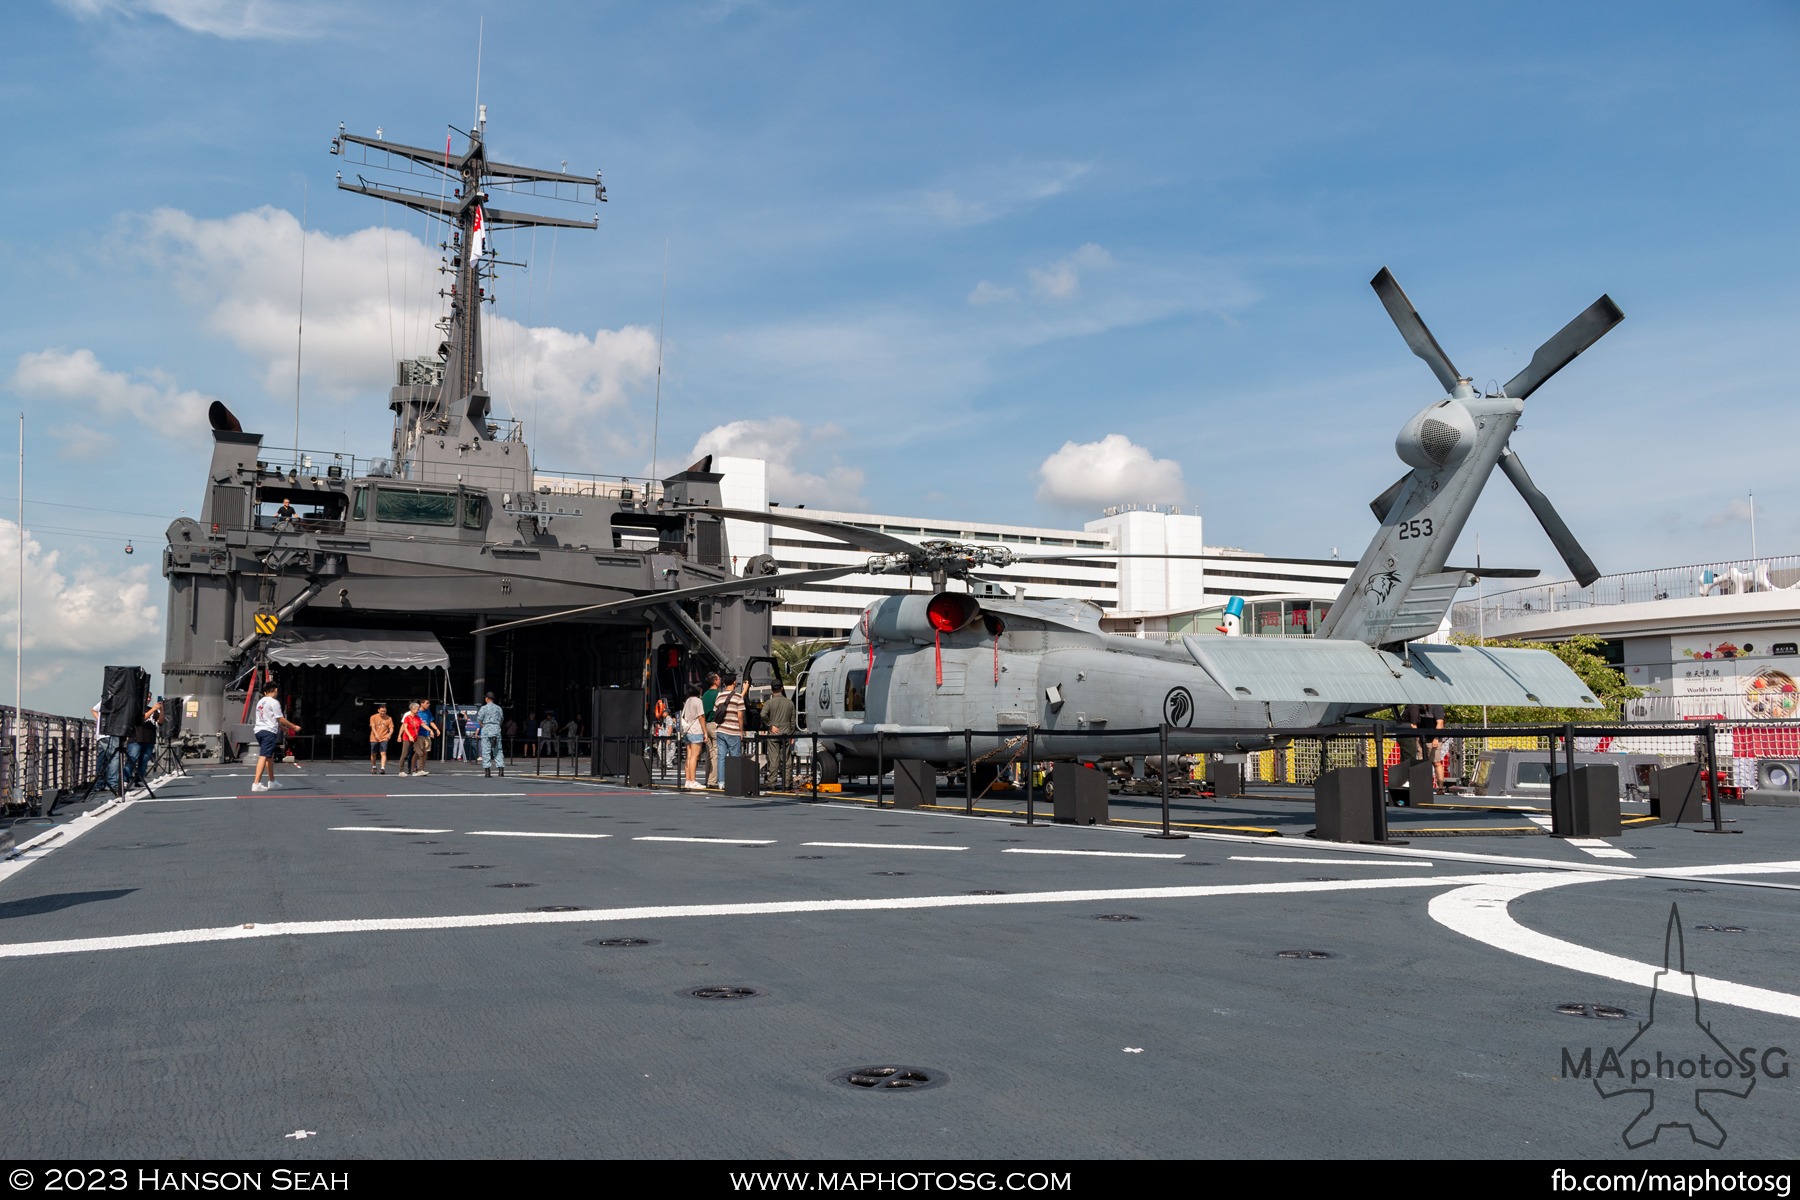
1146, 597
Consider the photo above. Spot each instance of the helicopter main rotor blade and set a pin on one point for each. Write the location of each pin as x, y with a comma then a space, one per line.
749, 583
1560, 351
1580, 565
1412, 327
871, 540
1097, 554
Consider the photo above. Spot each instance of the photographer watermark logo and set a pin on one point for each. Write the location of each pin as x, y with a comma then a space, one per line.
1675, 1064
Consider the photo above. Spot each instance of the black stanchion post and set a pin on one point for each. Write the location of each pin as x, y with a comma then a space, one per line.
1569, 753
968, 771
1712, 777
1381, 792
1162, 737
812, 762
1162, 771
1030, 777
880, 766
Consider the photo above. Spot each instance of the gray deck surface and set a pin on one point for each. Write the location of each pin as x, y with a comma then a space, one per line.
185, 977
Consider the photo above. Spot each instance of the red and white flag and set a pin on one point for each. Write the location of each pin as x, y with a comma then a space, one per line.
479, 236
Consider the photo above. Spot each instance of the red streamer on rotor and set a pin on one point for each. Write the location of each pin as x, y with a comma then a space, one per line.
937, 655
871, 672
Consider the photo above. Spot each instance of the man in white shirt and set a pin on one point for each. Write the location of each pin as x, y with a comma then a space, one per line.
270, 721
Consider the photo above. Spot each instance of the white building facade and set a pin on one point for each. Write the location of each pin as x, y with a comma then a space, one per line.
1146, 597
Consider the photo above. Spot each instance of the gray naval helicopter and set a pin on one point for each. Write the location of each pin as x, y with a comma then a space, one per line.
356, 581
919, 670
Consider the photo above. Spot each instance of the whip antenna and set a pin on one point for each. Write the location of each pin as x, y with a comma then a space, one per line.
661, 321
300, 319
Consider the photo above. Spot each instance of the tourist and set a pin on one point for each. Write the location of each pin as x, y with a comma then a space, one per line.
693, 732
409, 734
269, 725
381, 730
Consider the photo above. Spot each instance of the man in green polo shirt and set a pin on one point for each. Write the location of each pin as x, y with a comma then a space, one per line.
713, 771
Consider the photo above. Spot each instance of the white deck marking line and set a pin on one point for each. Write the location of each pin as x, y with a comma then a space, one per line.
1480, 912
880, 846
1546, 822
1090, 853
1460, 857
381, 829
1598, 847
1790, 867
56, 837
516, 833
232, 933
1332, 862
711, 841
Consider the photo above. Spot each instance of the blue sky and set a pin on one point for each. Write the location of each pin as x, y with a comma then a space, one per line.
913, 250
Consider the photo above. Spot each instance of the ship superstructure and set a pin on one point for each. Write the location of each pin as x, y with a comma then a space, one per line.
373, 573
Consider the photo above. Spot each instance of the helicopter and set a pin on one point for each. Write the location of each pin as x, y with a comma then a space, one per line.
937, 675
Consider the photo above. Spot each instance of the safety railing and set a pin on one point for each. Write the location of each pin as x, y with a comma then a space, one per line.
1507, 766
1725, 577
55, 756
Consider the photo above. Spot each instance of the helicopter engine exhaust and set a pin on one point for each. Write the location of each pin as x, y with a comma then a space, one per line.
923, 618
951, 611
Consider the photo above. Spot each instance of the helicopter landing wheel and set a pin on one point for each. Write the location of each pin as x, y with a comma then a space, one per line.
828, 767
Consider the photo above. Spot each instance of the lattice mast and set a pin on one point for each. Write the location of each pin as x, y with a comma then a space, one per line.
447, 395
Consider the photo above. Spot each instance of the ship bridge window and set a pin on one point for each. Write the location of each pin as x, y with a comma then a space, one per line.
474, 511
300, 508
415, 506
633, 530
359, 508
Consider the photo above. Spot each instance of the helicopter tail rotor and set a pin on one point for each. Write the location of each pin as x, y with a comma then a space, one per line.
1587, 328
1579, 564
1412, 327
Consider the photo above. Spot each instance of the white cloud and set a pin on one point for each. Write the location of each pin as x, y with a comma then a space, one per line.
993, 192
78, 386
234, 20
245, 270
76, 621
370, 299
1061, 280
991, 293
1112, 470
1735, 513
780, 441
569, 379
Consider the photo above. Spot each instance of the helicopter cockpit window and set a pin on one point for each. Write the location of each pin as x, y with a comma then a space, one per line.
474, 511
853, 692
415, 506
